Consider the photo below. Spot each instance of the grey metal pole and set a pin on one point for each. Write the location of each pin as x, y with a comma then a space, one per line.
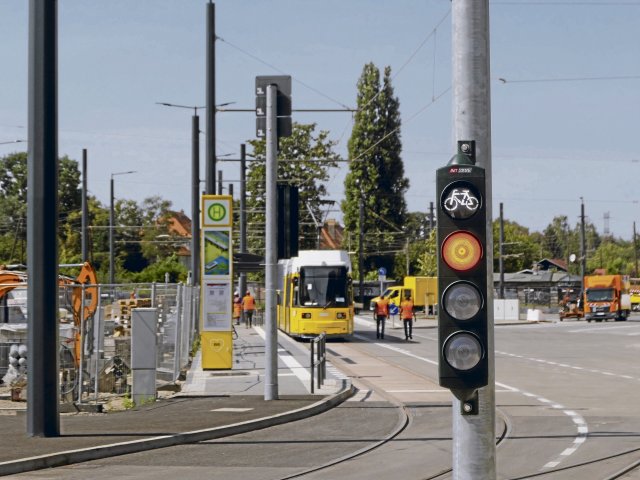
635, 250
271, 249
219, 182
195, 200
406, 248
111, 227
501, 259
583, 246
210, 160
474, 435
43, 416
243, 212
85, 209
361, 249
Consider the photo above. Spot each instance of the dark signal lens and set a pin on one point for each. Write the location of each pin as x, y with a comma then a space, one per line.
462, 301
463, 351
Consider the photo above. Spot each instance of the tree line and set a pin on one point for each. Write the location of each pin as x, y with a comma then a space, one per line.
146, 248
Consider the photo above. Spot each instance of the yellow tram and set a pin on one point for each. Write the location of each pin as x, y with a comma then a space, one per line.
315, 294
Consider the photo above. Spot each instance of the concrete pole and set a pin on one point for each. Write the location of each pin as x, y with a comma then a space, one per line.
361, 249
635, 250
43, 416
583, 246
195, 201
211, 100
85, 209
243, 212
111, 227
474, 448
501, 259
271, 249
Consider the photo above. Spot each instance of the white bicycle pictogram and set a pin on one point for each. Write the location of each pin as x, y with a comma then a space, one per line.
461, 197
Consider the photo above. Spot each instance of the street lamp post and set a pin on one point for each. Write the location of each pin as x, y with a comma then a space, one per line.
195, 186
111, 227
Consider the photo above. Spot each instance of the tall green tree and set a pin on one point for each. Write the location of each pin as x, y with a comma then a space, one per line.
521, 248
376, 171
13, 205
304, 160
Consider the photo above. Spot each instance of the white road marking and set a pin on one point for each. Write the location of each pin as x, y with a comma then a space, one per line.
564, 365
582, 429
610, 329
298, 370
231, 409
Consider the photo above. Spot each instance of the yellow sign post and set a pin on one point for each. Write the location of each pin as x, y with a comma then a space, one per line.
216, 281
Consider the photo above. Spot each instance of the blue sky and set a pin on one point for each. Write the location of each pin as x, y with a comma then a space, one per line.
564, 125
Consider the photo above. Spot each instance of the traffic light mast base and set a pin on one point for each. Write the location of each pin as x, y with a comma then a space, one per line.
469, 404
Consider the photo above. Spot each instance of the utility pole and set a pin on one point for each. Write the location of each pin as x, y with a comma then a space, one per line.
501, 259
43, 415
243, 213
211, 100
474, 435
271, 247
635, 250
361, 249
195, 201
85, 209
406, 250
219, 182
583, 246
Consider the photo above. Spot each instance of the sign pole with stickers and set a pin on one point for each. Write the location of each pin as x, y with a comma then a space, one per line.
216, 282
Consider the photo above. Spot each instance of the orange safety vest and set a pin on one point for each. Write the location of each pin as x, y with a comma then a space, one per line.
406, 309
382, 307
248, 303
237, 308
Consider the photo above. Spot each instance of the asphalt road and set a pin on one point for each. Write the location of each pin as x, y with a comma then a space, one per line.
566, 395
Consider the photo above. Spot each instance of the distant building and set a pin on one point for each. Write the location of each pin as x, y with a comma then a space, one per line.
331, 235
180, 226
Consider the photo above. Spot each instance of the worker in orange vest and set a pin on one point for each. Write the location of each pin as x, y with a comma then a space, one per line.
380, 314
248, 306
406, 313
237, 307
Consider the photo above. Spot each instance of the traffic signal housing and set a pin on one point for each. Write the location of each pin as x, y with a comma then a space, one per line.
462, 274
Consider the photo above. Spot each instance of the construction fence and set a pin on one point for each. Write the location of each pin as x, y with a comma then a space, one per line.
95, 357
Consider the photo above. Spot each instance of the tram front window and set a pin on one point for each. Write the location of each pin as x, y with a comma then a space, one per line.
323, 287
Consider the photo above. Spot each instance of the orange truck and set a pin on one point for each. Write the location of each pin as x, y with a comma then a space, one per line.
607, 297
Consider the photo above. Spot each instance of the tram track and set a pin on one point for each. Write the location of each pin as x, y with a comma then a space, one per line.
405, 418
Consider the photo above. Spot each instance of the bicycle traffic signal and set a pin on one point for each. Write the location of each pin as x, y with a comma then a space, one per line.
462, 274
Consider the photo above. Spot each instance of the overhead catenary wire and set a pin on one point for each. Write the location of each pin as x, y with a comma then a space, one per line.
570, 79
281, 71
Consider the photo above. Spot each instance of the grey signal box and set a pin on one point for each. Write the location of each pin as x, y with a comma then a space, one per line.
283, 104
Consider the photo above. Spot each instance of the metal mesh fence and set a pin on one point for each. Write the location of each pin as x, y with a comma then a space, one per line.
106, 346
100, 361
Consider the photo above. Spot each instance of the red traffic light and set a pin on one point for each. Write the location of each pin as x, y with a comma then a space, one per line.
461, 251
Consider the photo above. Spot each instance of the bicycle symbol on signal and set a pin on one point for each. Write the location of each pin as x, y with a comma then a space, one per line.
461, 197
